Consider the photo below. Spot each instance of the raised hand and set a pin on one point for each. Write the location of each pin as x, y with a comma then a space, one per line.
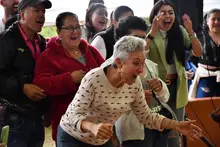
187, 24
155, 24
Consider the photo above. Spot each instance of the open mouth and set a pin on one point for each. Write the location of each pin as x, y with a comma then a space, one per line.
74, 38
15, 6
102, 22
41, 22
167, 22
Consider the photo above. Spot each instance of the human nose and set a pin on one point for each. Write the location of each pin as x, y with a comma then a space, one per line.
141, 69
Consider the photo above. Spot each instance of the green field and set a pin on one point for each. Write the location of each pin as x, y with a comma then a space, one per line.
48, 31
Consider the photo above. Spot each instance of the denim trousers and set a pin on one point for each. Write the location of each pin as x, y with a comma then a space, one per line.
153, 138
208, 87
174, 138
66, 140
24, 131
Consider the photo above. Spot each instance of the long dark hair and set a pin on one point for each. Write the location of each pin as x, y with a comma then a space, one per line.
88, 19
175, 43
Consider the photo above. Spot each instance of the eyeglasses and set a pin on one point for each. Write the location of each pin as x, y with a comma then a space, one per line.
72, 28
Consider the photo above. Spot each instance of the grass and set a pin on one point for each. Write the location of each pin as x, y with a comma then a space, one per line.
48, 31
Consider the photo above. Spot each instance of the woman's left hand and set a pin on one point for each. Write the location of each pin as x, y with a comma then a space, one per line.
187, 24
188, 129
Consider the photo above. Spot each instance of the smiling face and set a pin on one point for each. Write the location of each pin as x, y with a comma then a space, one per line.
214, 22
70, 32
168, 17
132, 66
33, 18
99, 19
10, 5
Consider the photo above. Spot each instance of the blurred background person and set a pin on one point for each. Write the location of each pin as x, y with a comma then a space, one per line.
95, 21
95, 1
10, 9
63, 64
104, 41
207, 78
167, 42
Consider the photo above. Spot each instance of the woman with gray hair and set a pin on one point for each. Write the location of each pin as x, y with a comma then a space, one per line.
106, 93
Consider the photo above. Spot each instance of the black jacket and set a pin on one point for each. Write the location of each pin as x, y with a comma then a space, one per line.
17, 68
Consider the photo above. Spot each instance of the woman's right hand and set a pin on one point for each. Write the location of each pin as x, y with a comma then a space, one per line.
78, 75
102, 130
155, 24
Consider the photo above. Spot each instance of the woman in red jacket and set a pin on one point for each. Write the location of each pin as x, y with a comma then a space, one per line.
63, 64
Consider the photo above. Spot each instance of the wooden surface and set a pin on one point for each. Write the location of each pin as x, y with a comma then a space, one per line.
200, 110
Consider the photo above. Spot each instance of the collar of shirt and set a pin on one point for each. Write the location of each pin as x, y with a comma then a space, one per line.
35, 48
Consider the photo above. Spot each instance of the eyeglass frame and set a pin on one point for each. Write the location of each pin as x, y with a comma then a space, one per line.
72, 28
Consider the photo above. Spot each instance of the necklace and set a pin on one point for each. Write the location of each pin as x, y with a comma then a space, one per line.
163, 34
76, 52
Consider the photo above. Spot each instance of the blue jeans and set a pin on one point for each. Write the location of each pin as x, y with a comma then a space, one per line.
153, 138
66, 140
208, 87
24, 131
174, 139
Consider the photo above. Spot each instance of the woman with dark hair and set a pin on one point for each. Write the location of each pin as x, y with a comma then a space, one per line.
63, 64
105, 40
207, 78
167, 42
95, 21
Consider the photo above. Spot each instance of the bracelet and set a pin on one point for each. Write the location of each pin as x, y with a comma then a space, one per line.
150, 37
193, 36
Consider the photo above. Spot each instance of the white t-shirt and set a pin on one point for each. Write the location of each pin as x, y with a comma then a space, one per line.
99, 43
99, 102
2, 25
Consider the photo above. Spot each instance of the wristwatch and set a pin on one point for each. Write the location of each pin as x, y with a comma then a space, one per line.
150, 37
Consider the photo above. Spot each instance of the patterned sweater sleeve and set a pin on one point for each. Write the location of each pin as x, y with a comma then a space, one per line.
80, 105
139, 106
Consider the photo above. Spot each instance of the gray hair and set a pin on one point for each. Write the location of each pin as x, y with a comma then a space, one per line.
127, 44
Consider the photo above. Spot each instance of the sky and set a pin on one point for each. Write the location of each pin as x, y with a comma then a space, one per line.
140, 7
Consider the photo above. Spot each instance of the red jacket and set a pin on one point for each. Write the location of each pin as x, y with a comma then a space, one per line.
53, 74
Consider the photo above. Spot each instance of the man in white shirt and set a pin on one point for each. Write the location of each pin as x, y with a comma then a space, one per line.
10, 9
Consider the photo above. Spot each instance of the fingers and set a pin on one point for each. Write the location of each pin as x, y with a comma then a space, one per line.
158, 17
83, 72
155, 85
196, 128
105, 131
148, 93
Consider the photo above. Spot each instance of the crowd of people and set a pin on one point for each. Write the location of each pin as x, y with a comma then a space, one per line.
97, 85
